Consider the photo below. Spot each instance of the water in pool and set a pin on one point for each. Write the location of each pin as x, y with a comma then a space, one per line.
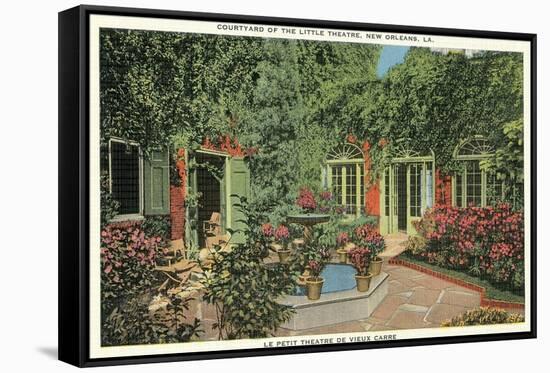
338, 277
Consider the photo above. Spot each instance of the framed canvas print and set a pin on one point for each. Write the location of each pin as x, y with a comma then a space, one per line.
233, 186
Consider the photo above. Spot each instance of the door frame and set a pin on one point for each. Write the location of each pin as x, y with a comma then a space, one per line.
225, 191
389, 222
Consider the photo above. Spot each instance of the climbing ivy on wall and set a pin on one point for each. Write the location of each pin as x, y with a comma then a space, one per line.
438, 100
294, 100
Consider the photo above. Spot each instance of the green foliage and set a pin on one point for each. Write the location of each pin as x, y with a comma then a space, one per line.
159, 86
507, 163
109, 206
438, 100
158, 226
128, 277
484, 316
243, 289
135, 322
491, 291
416, 245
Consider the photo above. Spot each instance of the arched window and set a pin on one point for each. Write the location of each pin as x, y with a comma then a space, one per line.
472, 185
344, 176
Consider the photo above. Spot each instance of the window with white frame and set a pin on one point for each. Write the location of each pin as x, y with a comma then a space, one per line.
473, 185
345, 177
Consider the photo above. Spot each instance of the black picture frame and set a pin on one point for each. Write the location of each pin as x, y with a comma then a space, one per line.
74, 183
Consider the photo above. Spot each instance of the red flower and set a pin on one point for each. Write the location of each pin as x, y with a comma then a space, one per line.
306, 199
267, 230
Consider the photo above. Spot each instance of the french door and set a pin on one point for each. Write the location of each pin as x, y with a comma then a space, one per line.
407, 191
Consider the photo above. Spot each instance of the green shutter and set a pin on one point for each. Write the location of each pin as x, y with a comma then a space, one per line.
156, 184
239, 186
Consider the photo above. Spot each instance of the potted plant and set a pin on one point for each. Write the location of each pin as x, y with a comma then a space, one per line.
342, 240
370, 238
306, 200
282, 236
314, 283
360, 258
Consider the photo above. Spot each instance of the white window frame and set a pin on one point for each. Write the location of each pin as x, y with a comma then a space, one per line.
134, 216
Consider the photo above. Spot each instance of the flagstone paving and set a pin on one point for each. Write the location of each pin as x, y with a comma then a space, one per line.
415, 300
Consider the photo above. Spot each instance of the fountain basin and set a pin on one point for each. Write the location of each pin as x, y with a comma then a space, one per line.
308, 219
336, 306
338, 277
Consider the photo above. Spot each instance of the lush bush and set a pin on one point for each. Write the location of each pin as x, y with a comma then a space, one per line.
141, 321
484, 316
244, 289
368, 236
128, 259
487, 241
128, 282
360, 258
109, 206
157, 226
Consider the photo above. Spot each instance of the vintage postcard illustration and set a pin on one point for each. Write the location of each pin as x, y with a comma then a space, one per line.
262, 186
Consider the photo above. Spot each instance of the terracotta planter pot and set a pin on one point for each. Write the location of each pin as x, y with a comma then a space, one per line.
342, 255
363, 282
375, 266
314, 286
284, 254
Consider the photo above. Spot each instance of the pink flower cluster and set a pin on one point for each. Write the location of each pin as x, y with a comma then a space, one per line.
342, 238
267, 230
306, 199
325, 195
490, 237
282, 233
125, 248
368, 236
360, 258
315, 268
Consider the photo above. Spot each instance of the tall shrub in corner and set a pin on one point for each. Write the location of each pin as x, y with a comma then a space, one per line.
244, 289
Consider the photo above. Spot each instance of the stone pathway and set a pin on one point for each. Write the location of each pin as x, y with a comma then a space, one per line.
415, 300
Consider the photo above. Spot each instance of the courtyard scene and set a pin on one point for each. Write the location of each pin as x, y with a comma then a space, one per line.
257, 188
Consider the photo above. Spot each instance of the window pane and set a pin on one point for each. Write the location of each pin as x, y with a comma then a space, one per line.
362, 185
415, 189
429, 187
494, 189
387, 192
458, 189
337, 183
351, 191
473, 184
125, 177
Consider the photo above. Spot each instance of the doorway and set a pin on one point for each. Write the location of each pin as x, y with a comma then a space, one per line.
401, 172
210, 205
407, 190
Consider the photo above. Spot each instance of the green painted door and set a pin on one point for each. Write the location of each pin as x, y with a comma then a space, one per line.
237, 185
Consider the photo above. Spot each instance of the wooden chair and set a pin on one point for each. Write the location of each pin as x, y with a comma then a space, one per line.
213, 226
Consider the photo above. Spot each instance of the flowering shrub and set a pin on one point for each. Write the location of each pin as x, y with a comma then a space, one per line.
306, 200
282, 235
127, 259
487, 241
484, 316
368, 236
315, 268
267, 230
342, 238
360, 258
325, 195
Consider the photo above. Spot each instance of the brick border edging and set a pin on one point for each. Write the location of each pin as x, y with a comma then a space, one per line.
485, 302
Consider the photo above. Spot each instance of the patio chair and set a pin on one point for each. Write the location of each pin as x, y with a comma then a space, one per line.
212, 227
